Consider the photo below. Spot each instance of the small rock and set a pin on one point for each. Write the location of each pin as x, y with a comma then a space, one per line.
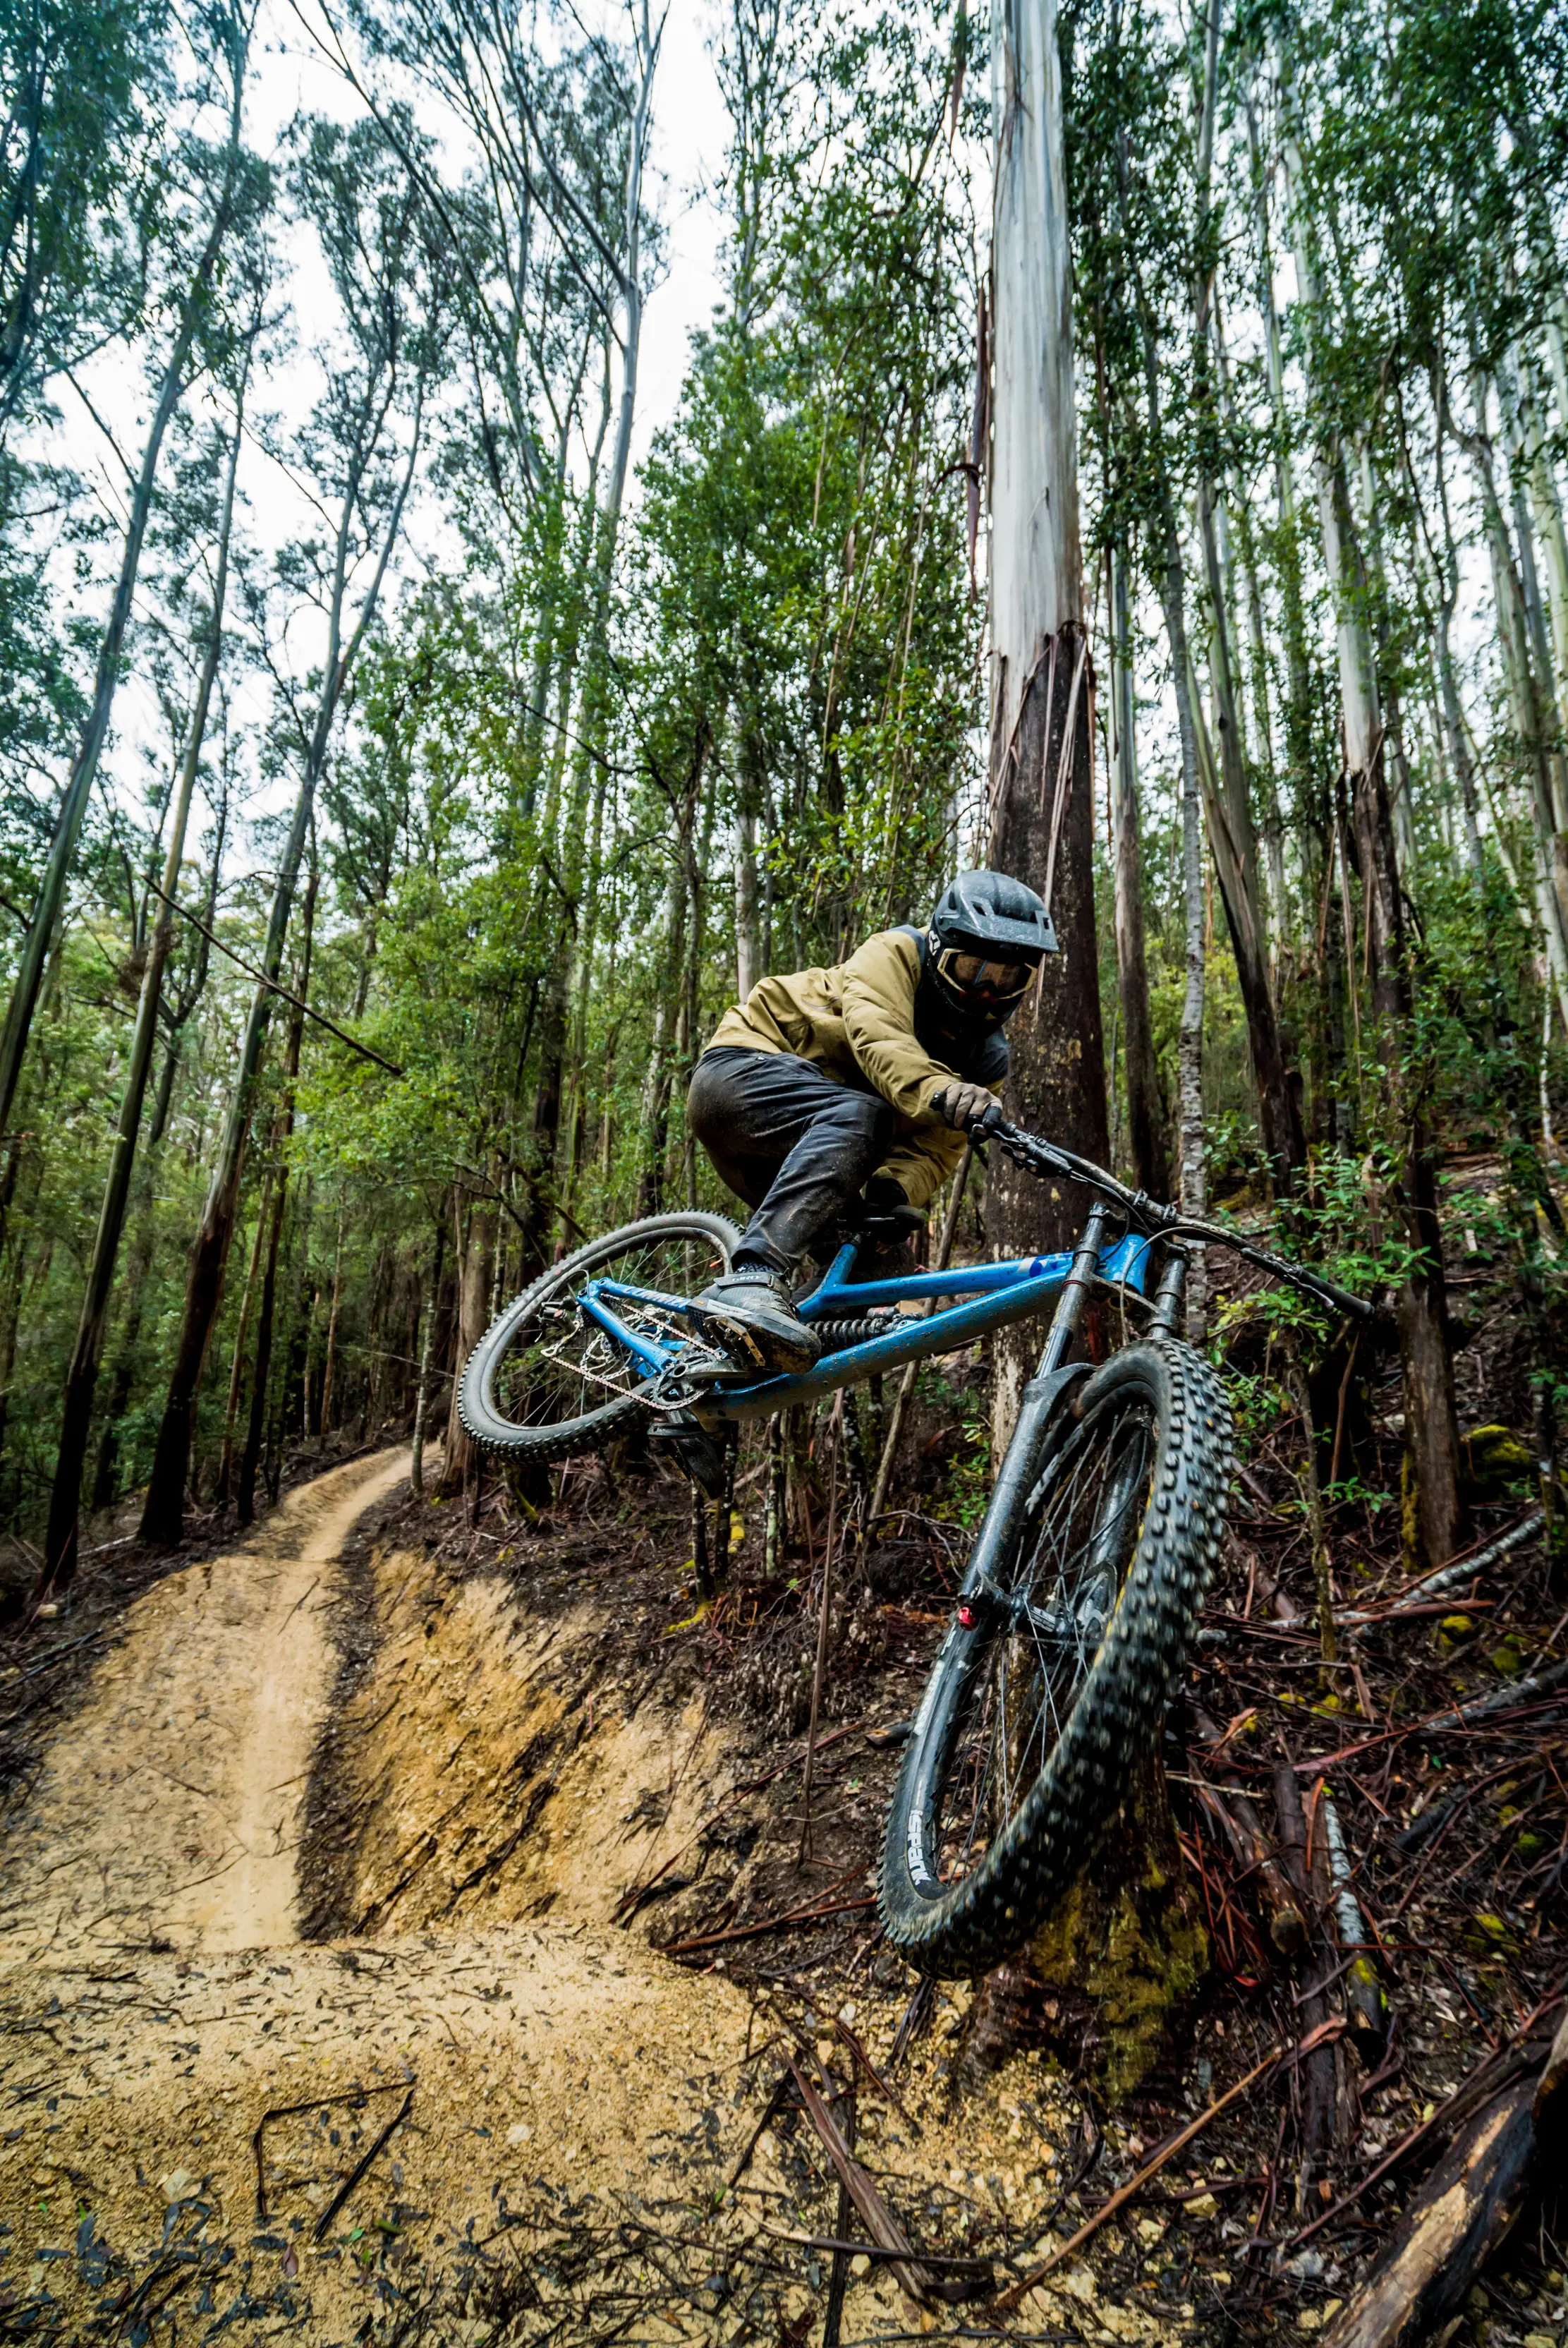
1203, 2205
860, 2265
519, 2133
178, 2185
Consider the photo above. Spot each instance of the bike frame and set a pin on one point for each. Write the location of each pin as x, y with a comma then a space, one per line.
969, 1303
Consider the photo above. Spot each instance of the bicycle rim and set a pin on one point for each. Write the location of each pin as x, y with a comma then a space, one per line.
559, 1365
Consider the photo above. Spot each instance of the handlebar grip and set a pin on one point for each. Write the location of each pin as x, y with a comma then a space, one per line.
1328, 1290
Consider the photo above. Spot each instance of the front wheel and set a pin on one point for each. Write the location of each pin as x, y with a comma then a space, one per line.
546, 1381
1050, 1684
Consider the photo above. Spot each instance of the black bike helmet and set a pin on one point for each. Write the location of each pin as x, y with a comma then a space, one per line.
986, 939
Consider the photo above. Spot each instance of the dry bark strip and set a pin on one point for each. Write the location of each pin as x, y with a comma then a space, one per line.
1319, 2099
1235, 1812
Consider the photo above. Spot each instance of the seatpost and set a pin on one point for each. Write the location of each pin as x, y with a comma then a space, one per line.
1168, 1295
1074, 1293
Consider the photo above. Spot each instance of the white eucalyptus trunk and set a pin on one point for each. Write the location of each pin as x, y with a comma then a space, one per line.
1514, 640
1036, 564
748, 936
1532, 462
1042, 780
1358, 708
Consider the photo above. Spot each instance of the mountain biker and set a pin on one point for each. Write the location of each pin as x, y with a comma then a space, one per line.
864, 1074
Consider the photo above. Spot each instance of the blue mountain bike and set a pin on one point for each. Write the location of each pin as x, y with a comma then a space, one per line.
1087, 1570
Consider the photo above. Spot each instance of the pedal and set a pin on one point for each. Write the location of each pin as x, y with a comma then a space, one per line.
696, 1454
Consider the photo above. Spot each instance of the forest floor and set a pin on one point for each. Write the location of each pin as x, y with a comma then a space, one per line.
405, 1936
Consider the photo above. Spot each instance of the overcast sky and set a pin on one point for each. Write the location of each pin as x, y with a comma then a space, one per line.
290, 75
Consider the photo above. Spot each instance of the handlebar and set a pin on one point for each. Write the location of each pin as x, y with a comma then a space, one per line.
1152, 1220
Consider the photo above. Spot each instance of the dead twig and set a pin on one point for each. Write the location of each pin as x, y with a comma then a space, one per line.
1009, 2298
875, 2216
766, 1924
355, 2097
347, 2188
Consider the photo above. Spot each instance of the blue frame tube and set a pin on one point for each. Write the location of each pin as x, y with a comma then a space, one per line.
1025, 1292
1002, 1293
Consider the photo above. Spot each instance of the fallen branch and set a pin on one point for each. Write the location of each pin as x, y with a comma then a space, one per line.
1151, 2168
1467, 2206
1366, 2008
1501, 1699
875, 2216
1517, 1695
983, 2268
767, 1924
1447, 1577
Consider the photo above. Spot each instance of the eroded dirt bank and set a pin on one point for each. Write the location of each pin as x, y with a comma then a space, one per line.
339, 1879
459, 1788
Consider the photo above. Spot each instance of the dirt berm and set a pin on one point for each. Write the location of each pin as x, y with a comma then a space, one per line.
324, 1865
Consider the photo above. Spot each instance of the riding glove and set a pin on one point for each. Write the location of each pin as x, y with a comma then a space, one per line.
964, 1105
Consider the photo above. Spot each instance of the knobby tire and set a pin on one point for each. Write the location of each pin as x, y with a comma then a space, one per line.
966, 1926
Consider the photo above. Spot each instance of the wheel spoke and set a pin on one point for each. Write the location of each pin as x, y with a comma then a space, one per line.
562, 1364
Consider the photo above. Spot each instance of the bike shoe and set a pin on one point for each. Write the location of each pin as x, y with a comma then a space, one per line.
751, 1316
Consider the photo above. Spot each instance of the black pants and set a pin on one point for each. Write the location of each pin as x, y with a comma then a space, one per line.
793, 1144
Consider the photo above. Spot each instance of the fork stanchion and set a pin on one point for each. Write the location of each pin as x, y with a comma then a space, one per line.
1168, 1294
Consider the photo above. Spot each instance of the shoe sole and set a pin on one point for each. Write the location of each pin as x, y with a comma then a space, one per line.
749, 1349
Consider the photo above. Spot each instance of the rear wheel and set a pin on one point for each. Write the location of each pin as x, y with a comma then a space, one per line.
1041, 1704
546, 1381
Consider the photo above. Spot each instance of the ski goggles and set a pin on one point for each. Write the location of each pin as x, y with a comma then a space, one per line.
973, 974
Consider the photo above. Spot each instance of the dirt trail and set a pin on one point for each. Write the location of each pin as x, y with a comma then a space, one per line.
168, 1815
156, 1999
468, 2109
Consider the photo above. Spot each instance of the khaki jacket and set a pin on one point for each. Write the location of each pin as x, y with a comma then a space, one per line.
857, 1024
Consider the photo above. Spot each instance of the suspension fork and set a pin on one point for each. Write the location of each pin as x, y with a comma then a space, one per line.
989, 1557
1075, 1288
1169, 1294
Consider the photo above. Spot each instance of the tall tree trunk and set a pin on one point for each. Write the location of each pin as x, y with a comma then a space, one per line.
60, 1541
422, 1400
328, 1368
1529, 717
1234, 842
1299, 690
42, 930
1145, 1113
252, 1458
1041, 766
224, 1486
748, 942
163, 1516
1431, 1424
476, 1251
